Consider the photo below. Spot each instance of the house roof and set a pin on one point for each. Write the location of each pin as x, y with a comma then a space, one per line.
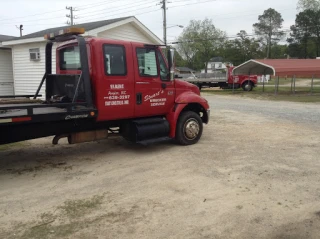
184, 69
216, 59
87, 26
91, 28
279, 67
6, 38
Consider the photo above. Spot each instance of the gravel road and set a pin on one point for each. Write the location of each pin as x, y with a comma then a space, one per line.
295, 112
254, 174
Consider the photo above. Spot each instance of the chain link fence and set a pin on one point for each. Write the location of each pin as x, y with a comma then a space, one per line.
290, 85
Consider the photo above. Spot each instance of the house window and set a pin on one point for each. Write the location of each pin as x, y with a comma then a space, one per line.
115, 60
147, 62
70, 58
220, 65
34, 54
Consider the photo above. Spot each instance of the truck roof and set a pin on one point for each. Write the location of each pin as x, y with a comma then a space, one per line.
90, 39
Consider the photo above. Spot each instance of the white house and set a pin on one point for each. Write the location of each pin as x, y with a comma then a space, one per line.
28, 52
216, 64
6, 72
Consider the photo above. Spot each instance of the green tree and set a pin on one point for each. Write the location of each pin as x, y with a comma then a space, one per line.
179, 61
249, 47
199, 41
241, 49
268, 28
308, 4
279, 51
305, 34
301, 32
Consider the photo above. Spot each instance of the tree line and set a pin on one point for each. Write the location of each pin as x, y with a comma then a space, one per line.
201, 40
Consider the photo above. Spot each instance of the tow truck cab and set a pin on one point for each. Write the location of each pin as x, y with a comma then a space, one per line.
129, 87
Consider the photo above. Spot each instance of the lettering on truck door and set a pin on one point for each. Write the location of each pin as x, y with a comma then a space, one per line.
154, 91
117, 90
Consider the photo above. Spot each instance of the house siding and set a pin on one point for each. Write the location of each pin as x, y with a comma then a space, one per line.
6, 72
126, 32
28, 73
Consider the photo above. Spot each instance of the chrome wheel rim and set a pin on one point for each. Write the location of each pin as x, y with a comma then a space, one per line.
191, 129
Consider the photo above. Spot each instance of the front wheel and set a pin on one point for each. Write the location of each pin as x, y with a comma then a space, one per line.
189, 128
247, 86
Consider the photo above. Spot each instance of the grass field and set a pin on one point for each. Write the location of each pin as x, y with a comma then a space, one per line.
302, 94
287, 81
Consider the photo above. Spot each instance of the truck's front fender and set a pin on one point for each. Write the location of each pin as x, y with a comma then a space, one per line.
182, 102
190, 97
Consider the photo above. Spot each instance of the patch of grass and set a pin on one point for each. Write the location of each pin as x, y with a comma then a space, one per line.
70, 218
75, 208
51, 231
302, 94
47, 216
6, 147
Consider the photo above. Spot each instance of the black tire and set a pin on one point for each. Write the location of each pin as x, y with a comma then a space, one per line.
247, 86
199, 86
193, 121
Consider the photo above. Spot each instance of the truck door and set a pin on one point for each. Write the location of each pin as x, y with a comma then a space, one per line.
154, 92
116, 86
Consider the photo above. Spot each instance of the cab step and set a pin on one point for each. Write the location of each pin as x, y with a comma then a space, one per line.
153, 141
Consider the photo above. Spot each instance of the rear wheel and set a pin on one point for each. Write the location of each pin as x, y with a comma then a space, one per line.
247, 86
189, 128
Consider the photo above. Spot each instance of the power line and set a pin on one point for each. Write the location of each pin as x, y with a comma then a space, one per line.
5, 19
192, 3
97, 4
136, 14
36, 20
119, 9
115, 9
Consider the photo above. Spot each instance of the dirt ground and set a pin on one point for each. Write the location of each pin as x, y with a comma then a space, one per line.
251, 176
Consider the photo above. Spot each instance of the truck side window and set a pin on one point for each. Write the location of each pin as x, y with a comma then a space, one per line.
164, 72
147, 62
70, 58
114, 60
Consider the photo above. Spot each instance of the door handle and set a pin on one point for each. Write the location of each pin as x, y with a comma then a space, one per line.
142, 83
164, 85
139, 98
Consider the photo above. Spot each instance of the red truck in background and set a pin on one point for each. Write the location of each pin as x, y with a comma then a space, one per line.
229, 81
106, 87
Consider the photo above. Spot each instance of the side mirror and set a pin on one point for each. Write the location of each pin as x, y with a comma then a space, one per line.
171, 63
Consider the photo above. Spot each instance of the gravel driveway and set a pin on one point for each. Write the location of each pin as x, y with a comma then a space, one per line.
254, 174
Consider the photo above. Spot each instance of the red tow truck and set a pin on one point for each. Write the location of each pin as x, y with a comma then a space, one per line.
106, 87
229, 81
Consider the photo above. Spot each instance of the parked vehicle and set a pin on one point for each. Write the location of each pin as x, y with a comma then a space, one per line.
106, 87
229, 81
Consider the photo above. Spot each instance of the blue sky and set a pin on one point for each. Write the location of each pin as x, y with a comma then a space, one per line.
228, 15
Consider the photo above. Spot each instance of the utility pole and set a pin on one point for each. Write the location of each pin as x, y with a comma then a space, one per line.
71, 16
21, 29
164, 7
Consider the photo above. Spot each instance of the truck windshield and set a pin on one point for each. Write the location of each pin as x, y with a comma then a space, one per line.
70, 58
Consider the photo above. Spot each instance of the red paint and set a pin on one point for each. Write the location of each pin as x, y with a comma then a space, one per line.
159, 97
240, 79
21, 119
